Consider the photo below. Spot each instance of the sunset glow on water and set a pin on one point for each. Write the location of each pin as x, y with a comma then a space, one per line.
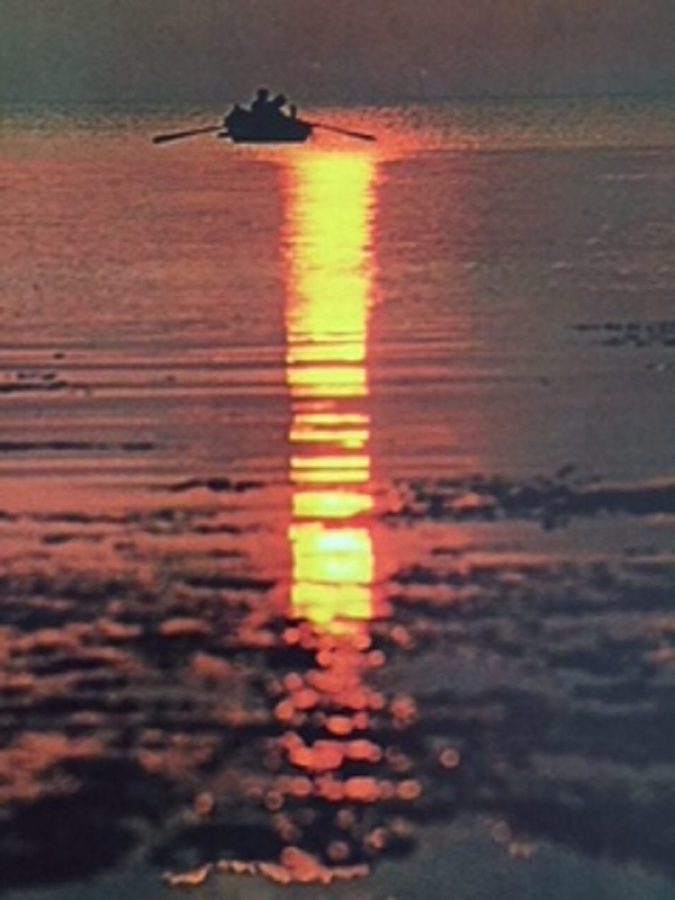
336, 503
329, 207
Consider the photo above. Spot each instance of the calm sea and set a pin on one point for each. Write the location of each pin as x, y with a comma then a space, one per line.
337, 499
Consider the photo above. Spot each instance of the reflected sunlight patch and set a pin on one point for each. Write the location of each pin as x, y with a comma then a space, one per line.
332, 572
328, 381
330, 469
329, 296
330, 504
347, 438
339, 349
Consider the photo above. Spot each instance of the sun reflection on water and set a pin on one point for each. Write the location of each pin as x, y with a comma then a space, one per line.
333, 768
330, 295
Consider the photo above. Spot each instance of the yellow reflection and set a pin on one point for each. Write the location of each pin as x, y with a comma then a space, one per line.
333, 381
330, 285
328, 504
347, 437
330, 469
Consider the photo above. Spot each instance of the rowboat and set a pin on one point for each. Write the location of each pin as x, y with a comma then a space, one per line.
266, 122
245, 127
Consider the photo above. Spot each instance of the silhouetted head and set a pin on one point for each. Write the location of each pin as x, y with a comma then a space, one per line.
280, 100
262, 93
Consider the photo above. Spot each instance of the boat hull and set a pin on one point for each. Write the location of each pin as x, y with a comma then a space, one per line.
242, 127
253, 138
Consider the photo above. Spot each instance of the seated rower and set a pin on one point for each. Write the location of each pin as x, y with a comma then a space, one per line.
261, 105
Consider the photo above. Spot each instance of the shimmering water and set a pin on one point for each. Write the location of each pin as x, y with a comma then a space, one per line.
337, 494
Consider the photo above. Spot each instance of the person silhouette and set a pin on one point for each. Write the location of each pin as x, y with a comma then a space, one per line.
278, 104
262, 103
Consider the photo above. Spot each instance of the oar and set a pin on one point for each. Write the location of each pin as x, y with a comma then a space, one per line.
355, 134
176, 135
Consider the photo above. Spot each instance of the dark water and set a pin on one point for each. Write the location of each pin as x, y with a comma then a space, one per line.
336, 499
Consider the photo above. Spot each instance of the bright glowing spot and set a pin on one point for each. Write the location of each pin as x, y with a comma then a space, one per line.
337, 477
328, 381
332, 572
330, 603
326, 351
326, 463
329, 419
329, 265
332, 555
329, 300
349, 438
331, 504
353, 469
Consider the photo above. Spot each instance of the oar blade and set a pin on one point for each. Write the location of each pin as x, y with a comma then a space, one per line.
177, 135
165, 138
348, 132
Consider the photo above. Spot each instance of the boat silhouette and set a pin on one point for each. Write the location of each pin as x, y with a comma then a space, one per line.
265, 122
247, 126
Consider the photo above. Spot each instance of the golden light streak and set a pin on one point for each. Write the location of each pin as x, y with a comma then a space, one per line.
328, 381
330, 504
330, 289
349, 438
335, 478
328, 464
326, 419
341, 556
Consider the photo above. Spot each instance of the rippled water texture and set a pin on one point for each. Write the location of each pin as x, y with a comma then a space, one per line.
337, 494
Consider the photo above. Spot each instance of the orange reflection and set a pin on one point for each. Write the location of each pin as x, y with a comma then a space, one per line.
330, 293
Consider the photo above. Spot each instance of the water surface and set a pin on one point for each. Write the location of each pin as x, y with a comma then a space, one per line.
336, 497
